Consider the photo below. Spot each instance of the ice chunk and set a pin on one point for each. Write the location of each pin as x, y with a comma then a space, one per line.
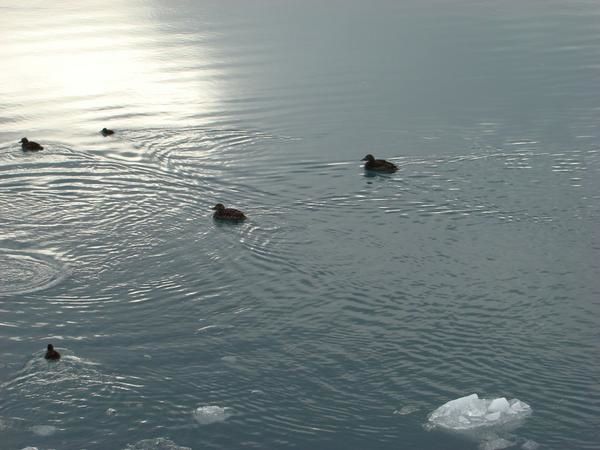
471, 412
111, 411
43, 430
530, 445
496, 444
229, 359
205, 415
407, 409
156, 444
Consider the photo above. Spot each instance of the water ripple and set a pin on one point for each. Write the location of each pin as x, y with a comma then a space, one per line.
26, 272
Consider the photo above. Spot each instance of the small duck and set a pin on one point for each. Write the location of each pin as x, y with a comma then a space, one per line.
52, 354
223, 213
106, 132
30, 146
379, 165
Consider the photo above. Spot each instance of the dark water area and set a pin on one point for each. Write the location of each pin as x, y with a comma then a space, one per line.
350, 305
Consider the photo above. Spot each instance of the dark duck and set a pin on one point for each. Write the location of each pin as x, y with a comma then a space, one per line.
106, 132
52, 354
379, 165
30, 146
223, 213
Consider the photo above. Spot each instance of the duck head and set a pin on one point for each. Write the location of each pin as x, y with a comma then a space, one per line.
369, 157
24, 141
219, 207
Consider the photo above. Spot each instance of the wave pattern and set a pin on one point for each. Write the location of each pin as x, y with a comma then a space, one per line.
349, 305
362, 337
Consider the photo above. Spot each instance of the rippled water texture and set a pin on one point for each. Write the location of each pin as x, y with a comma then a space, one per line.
350, 305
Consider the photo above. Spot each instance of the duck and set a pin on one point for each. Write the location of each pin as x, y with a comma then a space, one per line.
223, 213
379, 165
106, 132
52, 354
30, 146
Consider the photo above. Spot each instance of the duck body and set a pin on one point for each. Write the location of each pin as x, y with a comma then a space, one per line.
30, 146
222, 213
379, 165
106, 132
52, 354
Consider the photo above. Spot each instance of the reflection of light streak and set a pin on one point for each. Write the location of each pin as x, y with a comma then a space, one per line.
61, 59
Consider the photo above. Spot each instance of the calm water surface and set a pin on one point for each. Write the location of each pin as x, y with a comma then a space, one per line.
349, 306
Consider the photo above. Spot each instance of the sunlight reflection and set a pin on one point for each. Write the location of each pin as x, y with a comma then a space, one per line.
87, 63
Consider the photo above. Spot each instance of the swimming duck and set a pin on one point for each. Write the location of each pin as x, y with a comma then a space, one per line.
106, 132
379, 165
30, 146
227, 213
51, 353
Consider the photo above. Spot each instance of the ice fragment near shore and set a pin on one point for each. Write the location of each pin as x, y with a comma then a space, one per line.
471, 412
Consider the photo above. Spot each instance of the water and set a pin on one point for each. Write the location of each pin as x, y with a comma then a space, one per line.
349, 306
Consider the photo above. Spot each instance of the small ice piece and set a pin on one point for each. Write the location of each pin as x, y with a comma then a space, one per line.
530, 445
156, 444
111, 412
496, 444
30, 448
407, 409
471, 412
43, 430
206, 415
229, 359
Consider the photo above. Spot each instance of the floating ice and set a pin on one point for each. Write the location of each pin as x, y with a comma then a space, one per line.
407, 409
472, 412
229, 359
43, 430
205, 415
496, 444
111, 411
156, 444
530, 445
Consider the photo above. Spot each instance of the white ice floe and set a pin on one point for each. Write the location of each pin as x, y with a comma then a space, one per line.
205, 415
156, 444
43, 430
472, 412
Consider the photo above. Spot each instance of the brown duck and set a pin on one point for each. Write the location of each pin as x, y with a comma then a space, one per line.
223, 213
379, 165
51, 353
30, 146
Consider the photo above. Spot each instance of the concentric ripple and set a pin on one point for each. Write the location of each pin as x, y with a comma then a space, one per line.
28, 272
